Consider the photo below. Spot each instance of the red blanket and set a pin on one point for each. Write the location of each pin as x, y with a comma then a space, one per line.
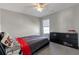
25, 48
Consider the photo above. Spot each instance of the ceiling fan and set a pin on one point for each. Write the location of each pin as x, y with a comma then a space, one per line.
39, 6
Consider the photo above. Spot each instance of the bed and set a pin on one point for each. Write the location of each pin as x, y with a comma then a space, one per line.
32, 43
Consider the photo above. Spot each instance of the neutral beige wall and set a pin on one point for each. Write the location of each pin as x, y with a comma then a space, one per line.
64, 20
18, 24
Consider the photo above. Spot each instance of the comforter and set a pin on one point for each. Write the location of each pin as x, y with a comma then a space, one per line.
31, 44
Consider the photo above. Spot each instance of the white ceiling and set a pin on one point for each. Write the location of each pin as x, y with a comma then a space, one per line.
27, 8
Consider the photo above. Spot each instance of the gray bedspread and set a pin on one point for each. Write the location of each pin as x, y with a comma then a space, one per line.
35, 42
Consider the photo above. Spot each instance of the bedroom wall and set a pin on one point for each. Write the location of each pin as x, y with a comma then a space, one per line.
64, 20
19, 25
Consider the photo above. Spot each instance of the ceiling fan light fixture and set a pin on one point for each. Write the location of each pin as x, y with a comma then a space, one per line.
40, 6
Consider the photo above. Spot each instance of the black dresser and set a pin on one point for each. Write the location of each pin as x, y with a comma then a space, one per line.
67, 39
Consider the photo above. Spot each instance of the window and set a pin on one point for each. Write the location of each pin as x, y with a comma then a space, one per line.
46, 26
